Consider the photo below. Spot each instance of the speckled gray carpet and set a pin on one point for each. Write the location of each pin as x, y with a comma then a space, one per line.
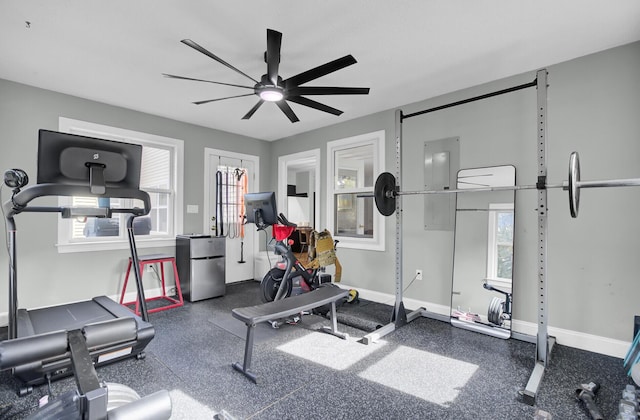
424, 370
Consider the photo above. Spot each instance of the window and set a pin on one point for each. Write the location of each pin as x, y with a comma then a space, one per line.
500, 247
161, 177
353, 165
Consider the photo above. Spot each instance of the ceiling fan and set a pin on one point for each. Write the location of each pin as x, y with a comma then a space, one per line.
272, 88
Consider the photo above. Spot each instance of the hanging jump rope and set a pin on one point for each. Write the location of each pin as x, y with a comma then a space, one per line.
230, 223
241, 190
237, 182
219, 212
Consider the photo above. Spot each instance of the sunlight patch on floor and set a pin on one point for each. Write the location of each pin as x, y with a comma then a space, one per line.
425, 375
184, 406
329, 351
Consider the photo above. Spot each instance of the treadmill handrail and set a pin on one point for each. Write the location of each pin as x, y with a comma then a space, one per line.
19, 201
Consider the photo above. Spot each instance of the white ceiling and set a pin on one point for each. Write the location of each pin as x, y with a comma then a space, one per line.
115, 51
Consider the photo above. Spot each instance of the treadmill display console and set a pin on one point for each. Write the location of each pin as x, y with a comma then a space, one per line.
79, 160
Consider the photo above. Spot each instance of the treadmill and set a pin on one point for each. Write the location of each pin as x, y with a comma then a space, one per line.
73, 165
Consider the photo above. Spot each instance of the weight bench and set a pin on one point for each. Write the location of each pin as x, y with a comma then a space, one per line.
252, 315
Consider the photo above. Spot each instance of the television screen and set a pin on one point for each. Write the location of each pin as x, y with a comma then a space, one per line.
79, 160
261, 205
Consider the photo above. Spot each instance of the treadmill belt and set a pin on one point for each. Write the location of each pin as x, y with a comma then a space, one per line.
70, 317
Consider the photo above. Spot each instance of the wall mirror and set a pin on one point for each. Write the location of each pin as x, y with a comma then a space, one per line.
481, 294
299, 187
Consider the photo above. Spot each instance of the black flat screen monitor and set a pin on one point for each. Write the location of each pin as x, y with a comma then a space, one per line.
79, 160
261, 208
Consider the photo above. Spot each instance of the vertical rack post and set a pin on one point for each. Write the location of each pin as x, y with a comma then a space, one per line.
399, 314
542, 348
543, 343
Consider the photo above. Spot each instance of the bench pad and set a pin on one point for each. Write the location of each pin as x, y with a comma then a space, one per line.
252, 315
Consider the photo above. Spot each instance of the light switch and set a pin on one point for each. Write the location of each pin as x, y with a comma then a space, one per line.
192, 208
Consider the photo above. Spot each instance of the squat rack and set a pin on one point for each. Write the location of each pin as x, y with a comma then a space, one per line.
544, 343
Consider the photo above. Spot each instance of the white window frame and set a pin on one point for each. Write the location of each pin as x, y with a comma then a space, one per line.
66, 244
492, 244
377, 140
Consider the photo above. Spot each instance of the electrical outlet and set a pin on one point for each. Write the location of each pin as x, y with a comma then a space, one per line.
418, 274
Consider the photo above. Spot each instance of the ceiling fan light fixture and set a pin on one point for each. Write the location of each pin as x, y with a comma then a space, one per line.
271, 94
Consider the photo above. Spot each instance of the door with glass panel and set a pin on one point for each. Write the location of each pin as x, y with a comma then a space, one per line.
228, 177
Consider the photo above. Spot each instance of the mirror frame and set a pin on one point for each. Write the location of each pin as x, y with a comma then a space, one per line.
284, 162
493, 330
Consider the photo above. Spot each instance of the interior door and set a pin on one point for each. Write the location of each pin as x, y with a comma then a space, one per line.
228, 177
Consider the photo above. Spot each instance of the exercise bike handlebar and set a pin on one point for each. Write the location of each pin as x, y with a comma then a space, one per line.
283, 220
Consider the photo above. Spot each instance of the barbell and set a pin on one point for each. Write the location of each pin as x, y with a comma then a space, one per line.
386, 191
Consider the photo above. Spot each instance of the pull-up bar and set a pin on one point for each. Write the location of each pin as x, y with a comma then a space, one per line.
475, 98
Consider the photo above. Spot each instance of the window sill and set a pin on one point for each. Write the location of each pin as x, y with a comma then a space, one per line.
364, 244
114, 245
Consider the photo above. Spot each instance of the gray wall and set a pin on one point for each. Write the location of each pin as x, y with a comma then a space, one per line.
46, 277
594, 103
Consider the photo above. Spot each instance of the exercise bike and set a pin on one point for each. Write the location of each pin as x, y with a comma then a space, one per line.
278, 283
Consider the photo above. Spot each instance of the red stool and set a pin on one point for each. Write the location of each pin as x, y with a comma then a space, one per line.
153, 259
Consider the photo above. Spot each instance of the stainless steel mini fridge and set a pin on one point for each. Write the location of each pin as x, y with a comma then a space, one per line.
201, 268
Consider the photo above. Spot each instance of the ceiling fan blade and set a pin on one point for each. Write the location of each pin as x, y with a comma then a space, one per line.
327, 90
172, 76
284, 106
215, 57
274, 42
220, 99
313, 104
320, 71
253, 110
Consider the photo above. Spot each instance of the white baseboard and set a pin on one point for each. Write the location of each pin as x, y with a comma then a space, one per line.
579, 340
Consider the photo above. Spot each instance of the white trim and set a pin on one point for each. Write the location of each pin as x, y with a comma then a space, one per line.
579, 340
576, 339
113, 245
283, 162
377, 139
120, 134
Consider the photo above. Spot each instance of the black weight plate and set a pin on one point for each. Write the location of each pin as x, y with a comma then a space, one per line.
574, 180
494, 314
385, 183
